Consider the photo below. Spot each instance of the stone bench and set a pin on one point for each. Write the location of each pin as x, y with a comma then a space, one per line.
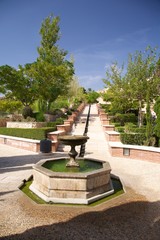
118, 149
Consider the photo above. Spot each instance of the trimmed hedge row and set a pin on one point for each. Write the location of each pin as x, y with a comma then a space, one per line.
124, 118
131, 130
133, 138
31, 133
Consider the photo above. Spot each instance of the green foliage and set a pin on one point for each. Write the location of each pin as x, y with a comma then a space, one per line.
157, 121
128, 90
31, 133
39, 117
129, 127
149, 126
124, 118
120, 129
92, 96
27, 112
17, 84
106, 107
53, 124
10, 106
133, 138
44, 80
51, 71
60, 102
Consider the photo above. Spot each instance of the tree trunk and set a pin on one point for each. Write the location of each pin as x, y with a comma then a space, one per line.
140, 119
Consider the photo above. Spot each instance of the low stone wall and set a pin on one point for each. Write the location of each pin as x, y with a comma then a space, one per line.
24, 143
25, 124
117, 149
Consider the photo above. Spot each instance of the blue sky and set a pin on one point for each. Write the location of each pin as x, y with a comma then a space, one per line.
95, 32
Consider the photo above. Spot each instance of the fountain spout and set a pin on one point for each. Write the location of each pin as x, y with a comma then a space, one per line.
73, 141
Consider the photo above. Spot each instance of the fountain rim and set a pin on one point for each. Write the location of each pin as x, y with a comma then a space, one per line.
38, 166
73, 137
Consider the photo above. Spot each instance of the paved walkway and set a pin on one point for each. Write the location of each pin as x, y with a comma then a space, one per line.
134, 215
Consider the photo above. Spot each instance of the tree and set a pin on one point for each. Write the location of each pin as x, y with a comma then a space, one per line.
17, 85
118, 89
149, 124
10, 106
157, 121
52, 72
92, 96
141, 74
75, 92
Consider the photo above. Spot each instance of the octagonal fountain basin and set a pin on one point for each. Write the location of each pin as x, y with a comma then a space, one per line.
89, 182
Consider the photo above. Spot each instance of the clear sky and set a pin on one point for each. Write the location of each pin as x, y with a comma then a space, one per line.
95, 32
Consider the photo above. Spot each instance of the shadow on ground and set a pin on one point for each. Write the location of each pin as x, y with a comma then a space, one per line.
16, 163
129, 221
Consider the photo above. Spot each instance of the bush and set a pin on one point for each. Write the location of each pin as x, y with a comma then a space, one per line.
27, 112
51, 124
129, 127
40, 117
133, 138
31, 133
124, 118
119, 129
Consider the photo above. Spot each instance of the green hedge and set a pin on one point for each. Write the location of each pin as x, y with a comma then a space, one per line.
120, 129
133, 138
124, 118
32, 133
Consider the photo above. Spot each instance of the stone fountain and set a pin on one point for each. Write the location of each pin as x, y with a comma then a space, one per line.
74, 184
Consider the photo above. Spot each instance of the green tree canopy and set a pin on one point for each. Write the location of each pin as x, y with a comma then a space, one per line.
52, 72
130, 89
17, 84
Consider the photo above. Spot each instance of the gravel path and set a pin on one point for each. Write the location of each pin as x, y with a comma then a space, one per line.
132, 216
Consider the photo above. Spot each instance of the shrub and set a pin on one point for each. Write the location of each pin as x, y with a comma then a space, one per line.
32, 133
124, 118
129, 127
51, 124
119, 129
27, 112
133, 138
40, 117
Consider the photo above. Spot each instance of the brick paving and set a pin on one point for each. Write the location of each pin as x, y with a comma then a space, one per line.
133, 215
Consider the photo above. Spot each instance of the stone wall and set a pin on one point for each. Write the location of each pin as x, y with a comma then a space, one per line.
25, 124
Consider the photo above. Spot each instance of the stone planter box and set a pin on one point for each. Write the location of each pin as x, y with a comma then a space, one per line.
112, 136
25, 124
108, 127
105, 122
